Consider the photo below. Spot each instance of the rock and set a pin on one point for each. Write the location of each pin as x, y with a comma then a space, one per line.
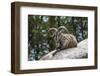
79, 52
48, 56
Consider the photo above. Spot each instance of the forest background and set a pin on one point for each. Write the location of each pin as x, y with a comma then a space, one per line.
38, 26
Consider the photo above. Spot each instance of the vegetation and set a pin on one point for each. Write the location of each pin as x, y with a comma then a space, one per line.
38, 26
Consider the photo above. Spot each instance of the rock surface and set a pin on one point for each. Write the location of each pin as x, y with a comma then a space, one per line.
81, 51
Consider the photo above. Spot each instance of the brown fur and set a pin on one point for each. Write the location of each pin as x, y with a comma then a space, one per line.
61, 39
65, 39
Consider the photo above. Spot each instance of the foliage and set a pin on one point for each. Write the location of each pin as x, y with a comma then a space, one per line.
38, 26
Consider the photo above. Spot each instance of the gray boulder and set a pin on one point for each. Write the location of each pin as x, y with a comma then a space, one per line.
79, 52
